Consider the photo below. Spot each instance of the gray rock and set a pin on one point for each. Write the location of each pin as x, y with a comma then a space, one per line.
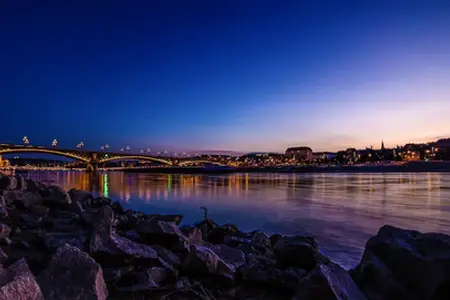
157, 274
261, 271
84, 216
166, 234
5, 231
38, 210
32, 186
103, 240
4, 181
261, 242
112, 275
58, 196
17, 282
328, 282
202, 261
27, 198
31, 220
3, 257
299, 251
12, 183
169, 218
82, 197
55, 240
231, 256
168, 256
72, 274
3, 209
419, 263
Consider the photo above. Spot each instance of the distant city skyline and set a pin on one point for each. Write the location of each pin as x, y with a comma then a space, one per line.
240, 76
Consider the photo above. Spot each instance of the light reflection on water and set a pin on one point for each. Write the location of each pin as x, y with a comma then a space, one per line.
341, 210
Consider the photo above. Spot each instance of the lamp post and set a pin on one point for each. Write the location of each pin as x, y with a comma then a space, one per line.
80, 144
25, 141
54, 143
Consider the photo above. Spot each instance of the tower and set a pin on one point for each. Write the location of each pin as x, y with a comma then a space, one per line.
382, 145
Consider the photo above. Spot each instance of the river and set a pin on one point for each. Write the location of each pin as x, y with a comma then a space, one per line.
341, 210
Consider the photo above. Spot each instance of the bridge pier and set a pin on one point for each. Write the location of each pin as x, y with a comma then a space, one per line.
92, 166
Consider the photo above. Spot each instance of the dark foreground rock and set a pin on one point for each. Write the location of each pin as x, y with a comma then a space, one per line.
83, 247
17, 282
328, 282
73, 274
405, 264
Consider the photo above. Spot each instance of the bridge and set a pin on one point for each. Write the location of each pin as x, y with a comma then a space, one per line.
94, 158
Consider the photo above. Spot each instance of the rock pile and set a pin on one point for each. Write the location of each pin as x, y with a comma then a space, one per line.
70, 245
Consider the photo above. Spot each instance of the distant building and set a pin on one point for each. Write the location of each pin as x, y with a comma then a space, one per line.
323, 156
441, 149
300, 153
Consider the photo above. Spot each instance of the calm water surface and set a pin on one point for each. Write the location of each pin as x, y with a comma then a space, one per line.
341, 210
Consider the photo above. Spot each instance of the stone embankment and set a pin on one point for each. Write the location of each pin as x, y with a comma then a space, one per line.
70, 245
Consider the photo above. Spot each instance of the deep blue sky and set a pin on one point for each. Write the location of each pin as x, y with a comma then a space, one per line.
237, 75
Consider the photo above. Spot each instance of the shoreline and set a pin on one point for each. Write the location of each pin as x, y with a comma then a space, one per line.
411, 167
57, 244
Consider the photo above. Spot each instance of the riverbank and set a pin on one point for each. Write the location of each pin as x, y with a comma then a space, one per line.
62, 245
409, 167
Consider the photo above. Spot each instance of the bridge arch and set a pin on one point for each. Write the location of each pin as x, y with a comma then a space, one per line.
200, 162
45, 151
138, 157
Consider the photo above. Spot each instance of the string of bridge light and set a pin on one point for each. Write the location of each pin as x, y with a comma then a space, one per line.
80, 145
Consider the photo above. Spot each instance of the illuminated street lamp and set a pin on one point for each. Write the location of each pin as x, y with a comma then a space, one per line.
25, 140
158, 153
165, 152
148, 150
127, 148
80, 144
142, 151
121, 149
102, 148
54, 143
107, 146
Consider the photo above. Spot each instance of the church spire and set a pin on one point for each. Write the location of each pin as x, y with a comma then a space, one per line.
382, 145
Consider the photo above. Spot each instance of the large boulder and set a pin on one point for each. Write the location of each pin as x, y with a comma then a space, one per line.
104, 241
328, 282
299, 251
419, 264
376, 281
17, 282
72, 274
164, 233
58, 196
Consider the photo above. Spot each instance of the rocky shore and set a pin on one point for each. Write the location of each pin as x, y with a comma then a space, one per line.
61, 245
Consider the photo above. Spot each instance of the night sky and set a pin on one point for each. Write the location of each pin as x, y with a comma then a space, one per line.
224, 75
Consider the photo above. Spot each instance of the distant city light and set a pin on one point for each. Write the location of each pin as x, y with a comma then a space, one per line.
54, 143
